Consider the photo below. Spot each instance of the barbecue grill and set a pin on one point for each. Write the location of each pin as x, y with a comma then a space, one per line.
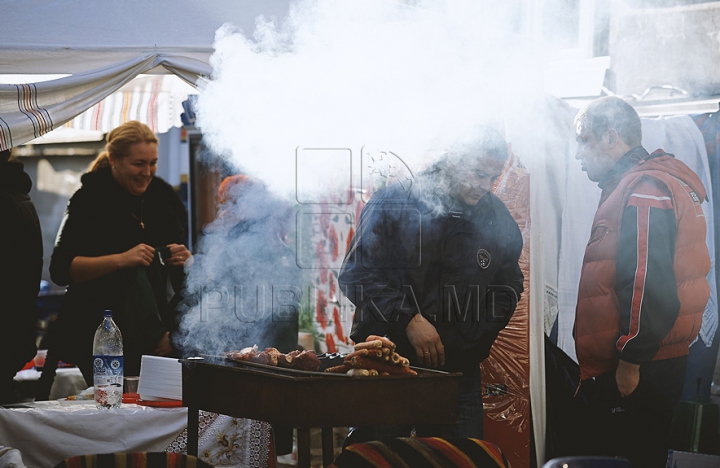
303, 399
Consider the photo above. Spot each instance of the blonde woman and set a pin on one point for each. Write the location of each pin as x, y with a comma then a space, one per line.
120, 245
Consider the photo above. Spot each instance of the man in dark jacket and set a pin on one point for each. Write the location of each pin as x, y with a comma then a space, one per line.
20, 272
434, 266
643, 286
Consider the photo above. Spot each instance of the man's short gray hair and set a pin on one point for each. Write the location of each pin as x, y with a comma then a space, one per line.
612, 112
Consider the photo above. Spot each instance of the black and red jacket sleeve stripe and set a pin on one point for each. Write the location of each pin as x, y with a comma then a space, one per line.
646, 285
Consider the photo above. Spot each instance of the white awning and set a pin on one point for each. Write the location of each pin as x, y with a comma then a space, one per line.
109, 95
103, 46
155, 100
61, 36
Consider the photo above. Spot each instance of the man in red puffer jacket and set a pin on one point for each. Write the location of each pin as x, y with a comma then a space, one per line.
643, 289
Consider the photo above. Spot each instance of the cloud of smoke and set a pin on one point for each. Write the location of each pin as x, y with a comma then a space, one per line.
244, 286
405, 77
300, 103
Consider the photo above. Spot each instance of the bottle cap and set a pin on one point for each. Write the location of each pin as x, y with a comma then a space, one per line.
107, 313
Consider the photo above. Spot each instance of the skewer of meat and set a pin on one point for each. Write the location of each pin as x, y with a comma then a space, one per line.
385, 342
368, 353
341, 369
306, 360
376, 344
286, 360
365, 363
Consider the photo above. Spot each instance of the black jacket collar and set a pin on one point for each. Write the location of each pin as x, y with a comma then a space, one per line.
629, 159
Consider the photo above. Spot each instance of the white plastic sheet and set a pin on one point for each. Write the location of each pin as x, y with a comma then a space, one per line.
51, 432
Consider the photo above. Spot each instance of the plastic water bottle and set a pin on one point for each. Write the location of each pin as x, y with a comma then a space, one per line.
108, 363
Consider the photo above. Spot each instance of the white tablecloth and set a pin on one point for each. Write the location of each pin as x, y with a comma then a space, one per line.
48, 432
68, 381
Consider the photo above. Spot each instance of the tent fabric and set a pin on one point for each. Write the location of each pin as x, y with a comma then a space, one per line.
78, 36
30, 110
579, 206
156, 100
705, 358
549, 172
122, 40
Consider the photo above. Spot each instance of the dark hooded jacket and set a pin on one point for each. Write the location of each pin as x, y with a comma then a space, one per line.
418, 250
101, 219
20, 266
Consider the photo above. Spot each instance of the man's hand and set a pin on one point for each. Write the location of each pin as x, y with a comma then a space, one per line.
163, 347
627, 377
426, 341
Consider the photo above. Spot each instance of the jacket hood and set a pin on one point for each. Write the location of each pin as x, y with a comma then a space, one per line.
662, 161
638, 159
98, 177
13, 176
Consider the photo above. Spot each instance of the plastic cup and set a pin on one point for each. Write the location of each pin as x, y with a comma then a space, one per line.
131, 384
40, 358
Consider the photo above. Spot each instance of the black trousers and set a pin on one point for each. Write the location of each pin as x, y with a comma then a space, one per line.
637, 426
7, 387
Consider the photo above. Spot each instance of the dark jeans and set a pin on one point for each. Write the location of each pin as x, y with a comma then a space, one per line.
470, 417
637, 426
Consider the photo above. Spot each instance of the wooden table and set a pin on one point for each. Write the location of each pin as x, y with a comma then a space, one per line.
304, 400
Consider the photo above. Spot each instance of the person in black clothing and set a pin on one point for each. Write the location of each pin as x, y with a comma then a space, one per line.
434, 266
20, 272
120, 247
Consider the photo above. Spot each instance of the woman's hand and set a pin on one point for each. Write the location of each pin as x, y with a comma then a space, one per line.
179, 254
140, 255
83, 269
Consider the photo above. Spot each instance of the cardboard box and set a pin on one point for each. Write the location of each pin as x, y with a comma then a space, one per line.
677, 459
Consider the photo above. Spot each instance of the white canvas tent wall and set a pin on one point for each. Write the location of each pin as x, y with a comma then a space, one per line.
103, 46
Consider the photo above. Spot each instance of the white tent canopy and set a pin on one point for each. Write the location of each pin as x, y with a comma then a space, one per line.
122, 40
75, 36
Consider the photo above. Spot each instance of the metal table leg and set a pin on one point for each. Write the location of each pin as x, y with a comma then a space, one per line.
303, 446
328, 451
192, 430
